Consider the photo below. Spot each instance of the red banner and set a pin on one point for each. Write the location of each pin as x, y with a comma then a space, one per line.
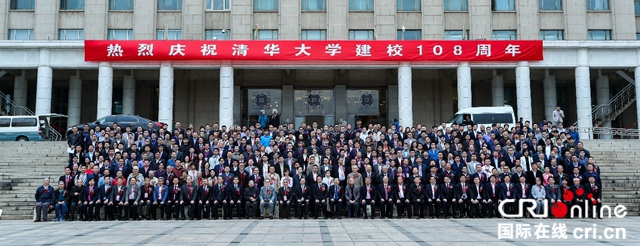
305, 50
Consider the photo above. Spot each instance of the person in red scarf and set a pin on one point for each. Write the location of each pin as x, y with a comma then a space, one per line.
146, 199
174, 197
204, 195
284, 199
90, 195
268, 198
336, 199
301, 194
189, 195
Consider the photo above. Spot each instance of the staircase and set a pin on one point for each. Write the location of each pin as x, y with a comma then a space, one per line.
8, 108
620, 102
23, 166
619, 171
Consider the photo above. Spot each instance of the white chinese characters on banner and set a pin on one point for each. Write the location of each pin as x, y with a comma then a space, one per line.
145, 50
333, 49
484, 50
272, 49
240, 50
208, 50
512, 49
303, 50
177, 49
114, 50
363, 50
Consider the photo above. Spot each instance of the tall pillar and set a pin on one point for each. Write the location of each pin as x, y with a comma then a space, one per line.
405, 96
128, 95
550, 95
165, 95
20, 86
392, 103
341, 103
583, 94
497, 89
75, 100
602, 97
464, 86
45, 84
523, 91
637, 78
237, 106
226, 96
105, 90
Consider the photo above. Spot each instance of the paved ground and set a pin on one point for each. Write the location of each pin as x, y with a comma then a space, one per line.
306, 232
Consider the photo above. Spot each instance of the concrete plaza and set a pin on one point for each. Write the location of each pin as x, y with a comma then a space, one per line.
303, 232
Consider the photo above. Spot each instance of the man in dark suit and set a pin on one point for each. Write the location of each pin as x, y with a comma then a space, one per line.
594, 197
234, 198
103, 200
284, 199
174, 198
118, 195
417, 196
219, 198
146, 199
386, 198
368, 195
160, 199
507, 191
251, 199
491, 196
462, 196
67, 178
336, 198
553, 192
319, 194
204, 197
533, 173
301, 194
90, 195
578, 197
369, 173
432, 197
401, 198
523, 191
257, 178
448, 198
477, 196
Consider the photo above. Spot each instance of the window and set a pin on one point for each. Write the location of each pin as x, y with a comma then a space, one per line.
314, 5
5, 122
218, 5
637, 36
169, 4
455, 5
409, 35
599, 35
23, 4
503, 35
265, 34
217, 34
71, 4
361, 35
120, 34
482, 118
636, 5
265, 5
23, 122
502, 118
120, 4
551, 34
598, 5
361, 5
314, 35
408, 5
170, 34
550, 4
20, 34
456, 35
503, 5
71, 34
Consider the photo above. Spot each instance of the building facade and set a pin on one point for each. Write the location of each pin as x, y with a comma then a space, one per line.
589, 57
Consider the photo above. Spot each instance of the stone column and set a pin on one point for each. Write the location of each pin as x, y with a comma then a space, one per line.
637, 78
226, 96
165, 97
583, 95
523, 91
341, 103
497, 89
286, 109
550, 95
44, 85
75, 100
128, 95
602, 97
105, 90
464, 86
405, 96
20, 87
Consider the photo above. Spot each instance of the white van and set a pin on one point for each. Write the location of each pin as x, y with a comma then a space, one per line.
24, 128
485, 116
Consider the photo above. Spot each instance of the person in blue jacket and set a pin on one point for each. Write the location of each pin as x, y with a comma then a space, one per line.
263, 119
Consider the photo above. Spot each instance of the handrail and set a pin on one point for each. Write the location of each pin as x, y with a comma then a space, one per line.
13, 108
616, 133
615, 106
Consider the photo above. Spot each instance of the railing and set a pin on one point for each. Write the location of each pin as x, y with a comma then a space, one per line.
55, 134
616, 105
7, 107
615, 133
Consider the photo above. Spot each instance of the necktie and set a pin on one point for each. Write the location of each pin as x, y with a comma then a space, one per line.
386, 194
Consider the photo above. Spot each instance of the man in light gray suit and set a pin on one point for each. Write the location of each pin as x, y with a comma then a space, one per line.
267, 198
131, 199
352, 195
